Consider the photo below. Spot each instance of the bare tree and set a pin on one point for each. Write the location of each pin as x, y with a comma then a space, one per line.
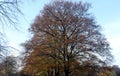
9, 10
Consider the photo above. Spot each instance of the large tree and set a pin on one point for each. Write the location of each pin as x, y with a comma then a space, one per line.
65, 36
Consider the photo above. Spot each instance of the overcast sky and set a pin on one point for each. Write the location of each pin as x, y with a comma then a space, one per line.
106, 13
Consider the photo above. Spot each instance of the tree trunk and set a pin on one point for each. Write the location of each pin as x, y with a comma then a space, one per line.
66, 72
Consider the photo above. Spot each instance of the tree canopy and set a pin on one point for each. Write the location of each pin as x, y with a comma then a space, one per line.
65, 38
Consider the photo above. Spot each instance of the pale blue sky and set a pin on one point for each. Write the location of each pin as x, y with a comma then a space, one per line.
106, 13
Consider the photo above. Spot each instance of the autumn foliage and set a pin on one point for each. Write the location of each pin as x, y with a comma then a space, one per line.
66, 41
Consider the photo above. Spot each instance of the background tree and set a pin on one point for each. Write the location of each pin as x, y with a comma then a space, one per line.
65, 34
8, 66
116, 69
